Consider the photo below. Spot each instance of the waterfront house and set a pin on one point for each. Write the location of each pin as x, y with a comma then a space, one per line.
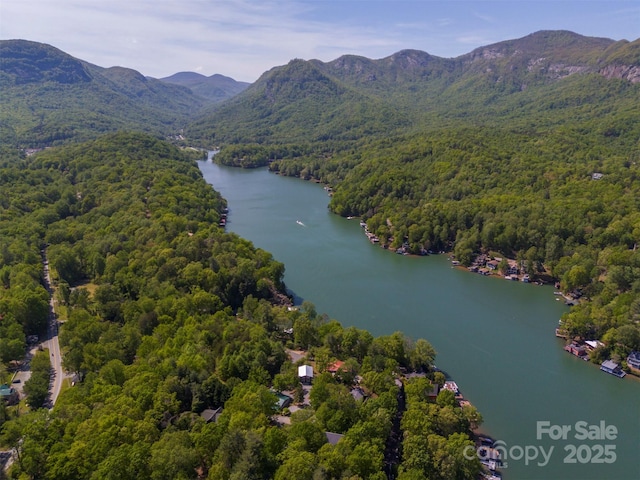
609, 366
451, 385
593, 344
633, 360
577, 350
305, 374
493, 264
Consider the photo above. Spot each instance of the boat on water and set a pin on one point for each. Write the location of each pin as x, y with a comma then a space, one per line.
300, 223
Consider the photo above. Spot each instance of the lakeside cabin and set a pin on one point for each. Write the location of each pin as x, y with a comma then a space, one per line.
611, 367
578, 350
633, 360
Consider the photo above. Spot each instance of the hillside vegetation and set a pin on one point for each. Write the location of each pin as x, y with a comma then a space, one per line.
48, 97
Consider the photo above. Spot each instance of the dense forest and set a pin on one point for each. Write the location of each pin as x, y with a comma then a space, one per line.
166, 316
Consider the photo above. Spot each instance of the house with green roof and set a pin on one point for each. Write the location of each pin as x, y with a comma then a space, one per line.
9, 394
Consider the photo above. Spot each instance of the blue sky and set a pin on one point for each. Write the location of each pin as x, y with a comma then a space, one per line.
244, 38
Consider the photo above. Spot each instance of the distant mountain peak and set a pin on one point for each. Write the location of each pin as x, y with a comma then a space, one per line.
184, 78
410, 58
215, 88
124, 73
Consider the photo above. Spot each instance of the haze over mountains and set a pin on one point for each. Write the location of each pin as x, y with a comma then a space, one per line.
49, 97
215, 88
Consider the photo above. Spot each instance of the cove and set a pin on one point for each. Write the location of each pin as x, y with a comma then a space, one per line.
494, 337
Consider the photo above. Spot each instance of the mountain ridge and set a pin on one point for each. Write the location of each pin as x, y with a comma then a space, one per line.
407, 85
50, 97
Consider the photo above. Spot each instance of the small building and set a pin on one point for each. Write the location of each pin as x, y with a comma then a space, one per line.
9, 394
452, 386
335, 366
210, 415
611, 367
593, 344
305, 374
633, 360
333, 438
358, 394
283, 400
433, 393
577, 350
492, 264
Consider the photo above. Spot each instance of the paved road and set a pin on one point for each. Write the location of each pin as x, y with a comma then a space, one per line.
52, 339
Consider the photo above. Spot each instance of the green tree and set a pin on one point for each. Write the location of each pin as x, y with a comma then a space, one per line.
173, 457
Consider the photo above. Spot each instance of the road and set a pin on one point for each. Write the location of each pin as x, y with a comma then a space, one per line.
52, 338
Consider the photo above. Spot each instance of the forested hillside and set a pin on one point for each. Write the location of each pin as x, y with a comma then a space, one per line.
527, 148
48, 97
167, 317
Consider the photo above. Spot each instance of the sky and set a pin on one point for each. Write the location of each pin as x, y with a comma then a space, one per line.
244, 38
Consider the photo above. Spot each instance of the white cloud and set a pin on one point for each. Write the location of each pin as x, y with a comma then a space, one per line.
484, 17
478, 40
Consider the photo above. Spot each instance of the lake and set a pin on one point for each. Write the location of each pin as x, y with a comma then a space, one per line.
494, 337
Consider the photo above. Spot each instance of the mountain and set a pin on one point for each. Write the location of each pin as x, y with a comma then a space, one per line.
215, 88
297, 102
353, 96
49, 97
